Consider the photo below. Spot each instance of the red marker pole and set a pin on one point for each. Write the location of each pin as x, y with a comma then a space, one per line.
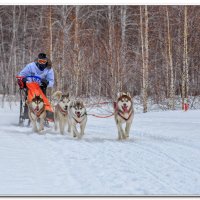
186, 105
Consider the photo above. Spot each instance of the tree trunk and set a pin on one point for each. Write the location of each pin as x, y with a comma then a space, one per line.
50, 33
123, 45
171, 92
110, 56
145, 55
185, 76
76, 50
24, 35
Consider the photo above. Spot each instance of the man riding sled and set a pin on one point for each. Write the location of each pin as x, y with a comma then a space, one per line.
41, 68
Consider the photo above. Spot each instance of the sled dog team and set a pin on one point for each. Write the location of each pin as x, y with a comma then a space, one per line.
72, 113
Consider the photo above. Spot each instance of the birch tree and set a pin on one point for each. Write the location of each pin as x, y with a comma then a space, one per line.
185, 76
76, 50
145, 54
169, 40
110, 56
151, 51
123, 11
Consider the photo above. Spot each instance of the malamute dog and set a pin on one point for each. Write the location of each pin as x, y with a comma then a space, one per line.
61, 110
123, 112
77, 115
36, 110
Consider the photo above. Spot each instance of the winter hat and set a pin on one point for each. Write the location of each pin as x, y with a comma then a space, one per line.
42, 56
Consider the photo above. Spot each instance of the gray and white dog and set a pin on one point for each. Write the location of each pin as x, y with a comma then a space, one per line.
61, 110
77, 115
36, 111
123, 113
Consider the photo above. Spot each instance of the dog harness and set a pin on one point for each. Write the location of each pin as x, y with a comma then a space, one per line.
37, 113
80, 117
64, 112
120, 113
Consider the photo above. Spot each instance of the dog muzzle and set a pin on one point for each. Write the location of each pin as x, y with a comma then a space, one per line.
36, 109
78, 114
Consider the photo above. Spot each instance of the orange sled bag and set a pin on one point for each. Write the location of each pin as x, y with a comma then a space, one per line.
34, 89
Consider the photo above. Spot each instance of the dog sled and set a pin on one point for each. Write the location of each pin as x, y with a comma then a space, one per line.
27, 94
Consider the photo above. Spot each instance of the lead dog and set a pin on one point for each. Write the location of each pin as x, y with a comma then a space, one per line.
123, 113
77, 115
61, 110
36, 111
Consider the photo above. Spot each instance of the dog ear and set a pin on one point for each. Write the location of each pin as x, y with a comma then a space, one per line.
128, 94
71, 104
67, 95
119, 94
80, 102
57, 95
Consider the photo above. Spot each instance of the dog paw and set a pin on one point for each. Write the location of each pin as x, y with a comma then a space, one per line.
35, 130
124, 137
79, 137
75, 134
127, 136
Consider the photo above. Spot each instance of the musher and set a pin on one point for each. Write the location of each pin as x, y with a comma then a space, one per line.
41, 67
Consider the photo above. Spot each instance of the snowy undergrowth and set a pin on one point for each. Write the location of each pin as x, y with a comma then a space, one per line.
194, 103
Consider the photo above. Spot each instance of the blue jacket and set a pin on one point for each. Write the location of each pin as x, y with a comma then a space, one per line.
31, 69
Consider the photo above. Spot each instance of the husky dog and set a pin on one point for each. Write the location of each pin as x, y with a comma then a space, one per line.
36, 110
61, 110
77, 115
123, 112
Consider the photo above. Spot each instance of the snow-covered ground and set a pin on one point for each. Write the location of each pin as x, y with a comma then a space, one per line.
162, 157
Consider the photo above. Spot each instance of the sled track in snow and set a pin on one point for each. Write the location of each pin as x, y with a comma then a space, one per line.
161, 154
158, 158
174, 140
26, 153
41, 167
154, 149
157, 150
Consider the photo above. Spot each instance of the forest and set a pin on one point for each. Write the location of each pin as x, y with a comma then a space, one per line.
99, 50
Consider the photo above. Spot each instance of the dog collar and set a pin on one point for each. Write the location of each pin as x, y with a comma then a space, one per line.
64, 112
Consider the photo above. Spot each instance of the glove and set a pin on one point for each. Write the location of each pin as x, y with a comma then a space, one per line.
44, 83
22, 82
